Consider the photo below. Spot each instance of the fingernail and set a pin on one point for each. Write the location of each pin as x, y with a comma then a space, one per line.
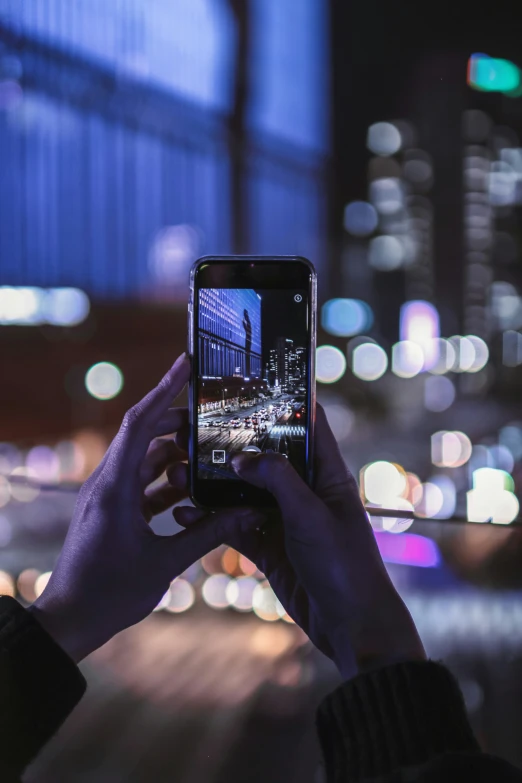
179, 361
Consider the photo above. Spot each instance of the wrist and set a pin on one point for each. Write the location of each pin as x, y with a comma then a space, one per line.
66, 628
362, 647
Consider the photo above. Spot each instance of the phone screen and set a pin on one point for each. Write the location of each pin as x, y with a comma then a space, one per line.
252, 383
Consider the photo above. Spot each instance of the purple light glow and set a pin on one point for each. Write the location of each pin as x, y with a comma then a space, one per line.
408, 549
419, 323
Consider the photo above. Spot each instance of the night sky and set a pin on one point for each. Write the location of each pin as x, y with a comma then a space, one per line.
282, 317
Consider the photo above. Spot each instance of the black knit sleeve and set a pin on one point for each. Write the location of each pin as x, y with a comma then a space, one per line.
39, 687
391, 718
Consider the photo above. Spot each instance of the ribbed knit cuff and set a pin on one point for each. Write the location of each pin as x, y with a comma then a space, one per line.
39, 685
401, 715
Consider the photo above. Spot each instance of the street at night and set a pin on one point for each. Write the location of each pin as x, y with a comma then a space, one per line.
266, 425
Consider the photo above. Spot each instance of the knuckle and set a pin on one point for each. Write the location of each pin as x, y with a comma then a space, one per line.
131, 418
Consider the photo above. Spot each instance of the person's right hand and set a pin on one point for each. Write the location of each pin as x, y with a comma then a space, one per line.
323, 562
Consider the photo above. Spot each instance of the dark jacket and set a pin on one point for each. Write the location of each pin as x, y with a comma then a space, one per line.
404, 723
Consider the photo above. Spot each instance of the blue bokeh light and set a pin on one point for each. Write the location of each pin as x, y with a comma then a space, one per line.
346, 317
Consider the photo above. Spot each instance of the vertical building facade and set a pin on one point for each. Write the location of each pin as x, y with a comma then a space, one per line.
230, 333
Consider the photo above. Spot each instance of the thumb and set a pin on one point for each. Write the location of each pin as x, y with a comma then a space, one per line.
276, 474
183, 549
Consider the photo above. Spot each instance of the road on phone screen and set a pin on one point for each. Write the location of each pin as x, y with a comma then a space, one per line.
279, 428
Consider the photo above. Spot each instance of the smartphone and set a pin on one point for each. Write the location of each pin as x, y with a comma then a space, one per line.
252, 340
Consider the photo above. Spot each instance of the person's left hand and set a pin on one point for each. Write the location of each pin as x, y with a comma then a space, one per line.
113, 569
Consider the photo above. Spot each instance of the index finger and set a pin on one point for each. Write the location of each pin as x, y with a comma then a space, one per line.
140, 422
330, 467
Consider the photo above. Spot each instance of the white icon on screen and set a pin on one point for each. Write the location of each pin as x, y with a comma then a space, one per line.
298, 298
218, 456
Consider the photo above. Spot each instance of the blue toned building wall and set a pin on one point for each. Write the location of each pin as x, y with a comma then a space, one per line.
229, 333
115, 146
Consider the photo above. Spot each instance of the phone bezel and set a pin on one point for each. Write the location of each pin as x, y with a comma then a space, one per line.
221, 494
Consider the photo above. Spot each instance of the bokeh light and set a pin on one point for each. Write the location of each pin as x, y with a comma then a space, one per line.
173, 251
386, 253
248, 568
439, 393
346, 317
66, 306
360, 218
369, 362
394, 524
382, 482
387, 195
446, 357
7, 584
465, 356
104, 381
90, 447
212, 562
214, 591
230, 562
20, 306
419, 323
511, 437
33, 306
264, 602
383, 138
407, 359
26, 584
330, 364
181, 596
502, 458
43, 463
23, 485
41, 583
481, 353
283, 614
428, 500
270, 641
240, 593
450, 449
418, 169
491, 498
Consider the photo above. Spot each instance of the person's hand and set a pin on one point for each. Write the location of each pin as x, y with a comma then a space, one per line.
113, 570
323, 562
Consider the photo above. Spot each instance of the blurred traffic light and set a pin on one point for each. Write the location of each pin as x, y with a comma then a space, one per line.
490, 74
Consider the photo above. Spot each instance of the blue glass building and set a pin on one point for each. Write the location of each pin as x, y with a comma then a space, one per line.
117, 142
229, 333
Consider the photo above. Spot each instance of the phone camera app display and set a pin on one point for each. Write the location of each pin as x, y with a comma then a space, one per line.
253, 376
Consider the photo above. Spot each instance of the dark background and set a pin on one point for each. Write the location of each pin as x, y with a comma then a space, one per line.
282, 317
